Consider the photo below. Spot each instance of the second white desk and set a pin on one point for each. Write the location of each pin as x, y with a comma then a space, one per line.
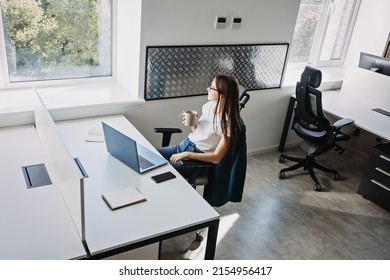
343, 106
361, 92
35, 222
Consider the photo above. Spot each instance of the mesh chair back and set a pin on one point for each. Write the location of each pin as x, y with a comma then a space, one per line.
308, 112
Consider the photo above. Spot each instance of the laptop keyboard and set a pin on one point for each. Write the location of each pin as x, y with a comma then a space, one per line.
144, 163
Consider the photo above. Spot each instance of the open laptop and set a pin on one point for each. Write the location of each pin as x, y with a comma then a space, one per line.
128, 151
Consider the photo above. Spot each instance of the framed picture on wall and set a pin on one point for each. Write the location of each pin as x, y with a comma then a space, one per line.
386, 52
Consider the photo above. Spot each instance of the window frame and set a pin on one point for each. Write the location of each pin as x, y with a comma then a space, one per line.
320, 35
4, 69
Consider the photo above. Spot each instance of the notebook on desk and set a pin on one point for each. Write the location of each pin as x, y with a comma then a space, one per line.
128, 151
123, 197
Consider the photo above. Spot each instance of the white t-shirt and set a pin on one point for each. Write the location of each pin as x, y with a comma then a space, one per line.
207, 133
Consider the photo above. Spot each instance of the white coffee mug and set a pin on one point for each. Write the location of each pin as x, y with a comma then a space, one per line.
189, 117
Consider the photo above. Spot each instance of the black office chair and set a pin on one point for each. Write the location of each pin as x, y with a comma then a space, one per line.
311, 125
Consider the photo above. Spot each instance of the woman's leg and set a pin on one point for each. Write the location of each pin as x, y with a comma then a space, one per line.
184, 145
168, 151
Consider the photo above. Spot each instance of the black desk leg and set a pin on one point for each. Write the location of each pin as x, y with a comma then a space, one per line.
211, 244
286, 126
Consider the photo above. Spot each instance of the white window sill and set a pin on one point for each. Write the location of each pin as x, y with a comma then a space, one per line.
17, 106
16, 101
86, 95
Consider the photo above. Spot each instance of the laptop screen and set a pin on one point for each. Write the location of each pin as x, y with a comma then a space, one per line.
121, 146
131, 153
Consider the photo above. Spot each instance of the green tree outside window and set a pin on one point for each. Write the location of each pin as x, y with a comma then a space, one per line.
57, 39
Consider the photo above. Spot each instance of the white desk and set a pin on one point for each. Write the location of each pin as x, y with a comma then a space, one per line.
172, 207
361, 92
343, 106
35, 223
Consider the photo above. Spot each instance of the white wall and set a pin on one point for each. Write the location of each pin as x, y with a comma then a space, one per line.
128, 38
371, 30
189, 22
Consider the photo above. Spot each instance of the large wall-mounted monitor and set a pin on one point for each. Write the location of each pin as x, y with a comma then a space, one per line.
375, 63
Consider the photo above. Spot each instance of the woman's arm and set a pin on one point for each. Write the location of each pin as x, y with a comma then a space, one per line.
214, 157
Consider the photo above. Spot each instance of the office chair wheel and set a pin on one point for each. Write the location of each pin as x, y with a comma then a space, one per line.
281, 159
335, 176
199, 236
282, 175
317, 187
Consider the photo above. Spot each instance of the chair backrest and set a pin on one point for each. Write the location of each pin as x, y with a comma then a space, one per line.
226, 180
308, 112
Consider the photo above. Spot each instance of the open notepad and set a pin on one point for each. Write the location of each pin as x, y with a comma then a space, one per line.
123, 197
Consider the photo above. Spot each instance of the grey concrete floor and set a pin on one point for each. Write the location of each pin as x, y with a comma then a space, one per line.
286, 219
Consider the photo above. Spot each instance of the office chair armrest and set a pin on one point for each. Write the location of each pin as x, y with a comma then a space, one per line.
167, 130
244, 98
167, 133
196, 163
343, 122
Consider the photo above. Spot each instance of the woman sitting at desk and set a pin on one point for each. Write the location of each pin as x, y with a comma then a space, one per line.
217, 130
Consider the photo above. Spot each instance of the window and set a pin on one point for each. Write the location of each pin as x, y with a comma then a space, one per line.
322, 32
56, 39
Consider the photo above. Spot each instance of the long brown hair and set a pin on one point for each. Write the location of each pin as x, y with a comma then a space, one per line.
228, 103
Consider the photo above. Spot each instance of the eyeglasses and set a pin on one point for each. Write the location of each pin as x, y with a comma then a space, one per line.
213, 88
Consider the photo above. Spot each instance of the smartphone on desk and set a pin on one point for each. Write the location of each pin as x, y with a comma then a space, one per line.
163, 177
